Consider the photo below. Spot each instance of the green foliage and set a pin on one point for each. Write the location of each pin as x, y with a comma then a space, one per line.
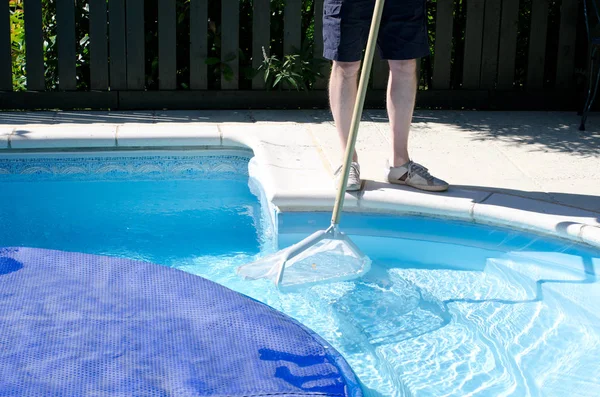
17, 40
299, 71
296, 71
220, 67
278, 72
49, 32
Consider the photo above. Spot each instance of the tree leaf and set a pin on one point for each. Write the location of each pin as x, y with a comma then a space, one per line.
212, 61
292, 82
228, 74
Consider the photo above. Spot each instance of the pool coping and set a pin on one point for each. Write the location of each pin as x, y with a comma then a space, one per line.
296, 175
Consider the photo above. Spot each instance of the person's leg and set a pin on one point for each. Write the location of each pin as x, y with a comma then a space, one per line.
403, 39
345, 30
401, 92
342, 96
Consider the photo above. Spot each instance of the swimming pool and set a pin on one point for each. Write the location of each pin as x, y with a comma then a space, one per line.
449, 308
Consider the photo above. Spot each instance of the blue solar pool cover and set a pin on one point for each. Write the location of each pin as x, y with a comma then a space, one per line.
74, 325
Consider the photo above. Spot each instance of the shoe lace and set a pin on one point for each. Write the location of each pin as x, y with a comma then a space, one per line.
353, 174
418, 169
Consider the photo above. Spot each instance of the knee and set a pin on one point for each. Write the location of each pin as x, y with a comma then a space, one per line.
404, 68
346, 70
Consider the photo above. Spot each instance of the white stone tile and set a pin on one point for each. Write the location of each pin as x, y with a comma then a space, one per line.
384, 197
300, 179
271, 137
288, 147
104, 117
325, 137
202, 116
301, 189
284, 134
136, 135
236, 135
543, 163
313, 200
26, 118
64, 136
461, 158
591, 235
450, 152
535, 215
316, 116
373, 150
371, 146
579, 192
291, 158
278, 116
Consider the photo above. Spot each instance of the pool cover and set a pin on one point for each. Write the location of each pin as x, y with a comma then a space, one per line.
73, 324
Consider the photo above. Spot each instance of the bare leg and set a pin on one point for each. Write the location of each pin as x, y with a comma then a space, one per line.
343, 87
402, 89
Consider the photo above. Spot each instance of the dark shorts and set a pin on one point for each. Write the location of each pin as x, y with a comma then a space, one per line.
402, 34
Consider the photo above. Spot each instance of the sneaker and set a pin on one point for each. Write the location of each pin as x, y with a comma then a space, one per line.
417, 176
353, 177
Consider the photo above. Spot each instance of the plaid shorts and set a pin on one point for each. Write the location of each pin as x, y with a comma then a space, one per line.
402, 34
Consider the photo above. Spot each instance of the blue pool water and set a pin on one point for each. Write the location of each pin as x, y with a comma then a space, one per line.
124, 206
448, 309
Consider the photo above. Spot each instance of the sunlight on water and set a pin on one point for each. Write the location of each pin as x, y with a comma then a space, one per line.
444, 332
447, 309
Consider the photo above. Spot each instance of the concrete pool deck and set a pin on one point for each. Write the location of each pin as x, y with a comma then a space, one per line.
531, 170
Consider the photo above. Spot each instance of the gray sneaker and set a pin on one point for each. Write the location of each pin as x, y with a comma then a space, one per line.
353, 177
417, 176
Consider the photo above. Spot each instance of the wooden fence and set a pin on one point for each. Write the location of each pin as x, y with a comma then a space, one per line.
511, 54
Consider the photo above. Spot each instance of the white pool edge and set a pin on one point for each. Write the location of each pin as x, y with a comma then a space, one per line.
295, 176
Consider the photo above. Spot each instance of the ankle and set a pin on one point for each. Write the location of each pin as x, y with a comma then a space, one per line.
354, 158
400, 161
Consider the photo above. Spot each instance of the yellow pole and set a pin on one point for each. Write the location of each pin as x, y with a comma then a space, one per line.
358, 108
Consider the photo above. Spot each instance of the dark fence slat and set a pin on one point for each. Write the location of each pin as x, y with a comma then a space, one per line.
537, 44
167, 46
444, 21
292, 26
230, 28
136, 68
65, 21
64, 99
473, 43
566, 44
118, 49
489, 52
227, 99
5, 56
261, 36
488, 64
379, 72
34, 50
275, 99
508, 44
318, 47
98, 46
198, 44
